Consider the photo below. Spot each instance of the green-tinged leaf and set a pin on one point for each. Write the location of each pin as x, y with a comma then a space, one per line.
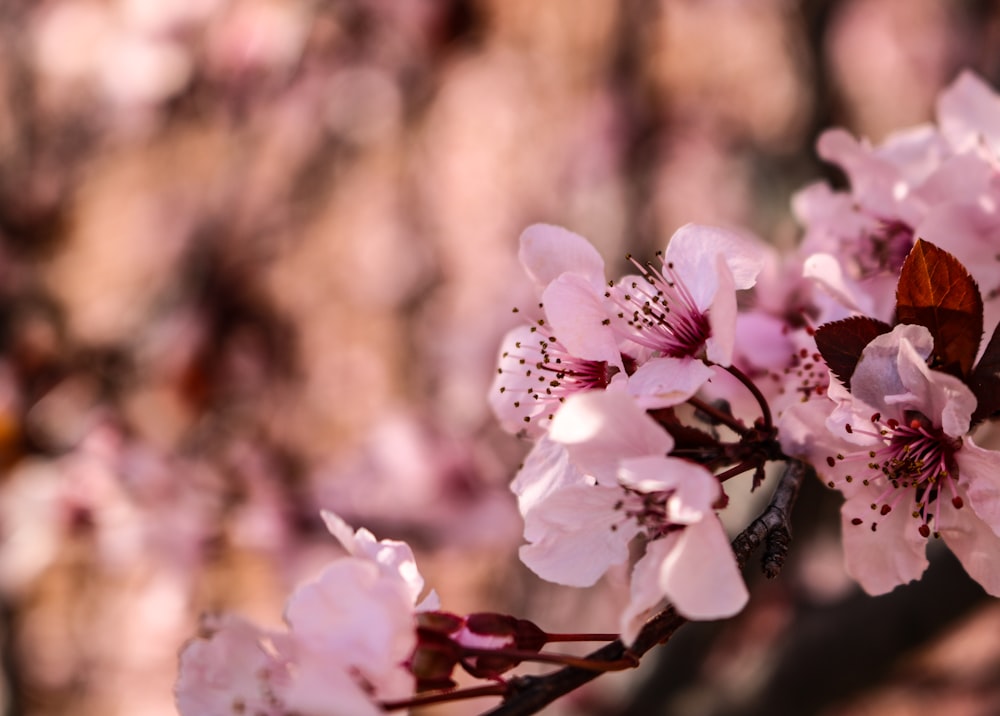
985, 381
841, 343
936, 291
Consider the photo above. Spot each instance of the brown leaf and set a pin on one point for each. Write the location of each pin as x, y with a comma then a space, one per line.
841, 343
936, 291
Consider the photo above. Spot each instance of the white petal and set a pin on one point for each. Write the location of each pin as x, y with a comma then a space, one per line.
663, 382
876, 379
975, 544
698, 245
722, 317
881, 560
394, 558
873, 179
339, 529
601, 427
546, 469
699, 575
579, 318
694, 488
827, 272
979, 473
548, 251
576, 534
646, 593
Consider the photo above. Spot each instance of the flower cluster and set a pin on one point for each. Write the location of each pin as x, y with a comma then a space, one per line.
358, 643
865, 345
900, 262
350, 632
861, 358
594, 377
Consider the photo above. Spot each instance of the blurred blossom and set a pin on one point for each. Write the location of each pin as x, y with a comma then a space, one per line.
889, 59
257, 257
736, 65
364, 105
409, 475
697, 181
88, 44
820, 570
256, 35
167, 18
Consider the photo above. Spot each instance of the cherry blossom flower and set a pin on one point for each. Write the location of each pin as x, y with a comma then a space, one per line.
568, 346
236, 670
350, 633
939, 183
602, 477
897, 448
683, 313
687, 307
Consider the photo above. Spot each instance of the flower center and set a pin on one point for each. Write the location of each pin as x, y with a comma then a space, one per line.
660, 313
805, 374
915, 466
542, 373
885, 249
649, 510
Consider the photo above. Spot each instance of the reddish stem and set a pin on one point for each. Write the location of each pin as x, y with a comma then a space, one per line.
440, 697
628, 661
553, 638
737, 470
765, 409
721, 416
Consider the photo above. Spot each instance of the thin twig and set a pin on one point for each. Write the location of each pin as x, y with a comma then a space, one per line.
765, 409
529, 694
719, 416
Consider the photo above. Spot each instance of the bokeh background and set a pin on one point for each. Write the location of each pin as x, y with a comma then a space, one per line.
256, 257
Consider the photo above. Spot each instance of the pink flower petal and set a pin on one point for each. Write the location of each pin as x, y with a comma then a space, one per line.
968, 112
663, 382
600, 428
579, 535
892, 554
548, 251
979, 472
579, 318
974, 542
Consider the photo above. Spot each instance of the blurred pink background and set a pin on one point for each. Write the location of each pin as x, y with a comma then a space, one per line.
256, 258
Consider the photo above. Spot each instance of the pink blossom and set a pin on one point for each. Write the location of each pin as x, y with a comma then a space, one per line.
897, 447
350, 633
355, 618
681, 316
235, 670
602, 477
569, 345
687, 307
940, 183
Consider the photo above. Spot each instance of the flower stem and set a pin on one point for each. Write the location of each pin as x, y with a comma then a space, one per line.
765, 409
553, 638
627, 660
737, 470
719, 415
440, 697
530, 694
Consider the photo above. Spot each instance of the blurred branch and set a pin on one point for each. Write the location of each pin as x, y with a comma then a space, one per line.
529, 694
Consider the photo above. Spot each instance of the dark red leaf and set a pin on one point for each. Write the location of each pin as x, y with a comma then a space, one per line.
841, 342
985, 381
936, 291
